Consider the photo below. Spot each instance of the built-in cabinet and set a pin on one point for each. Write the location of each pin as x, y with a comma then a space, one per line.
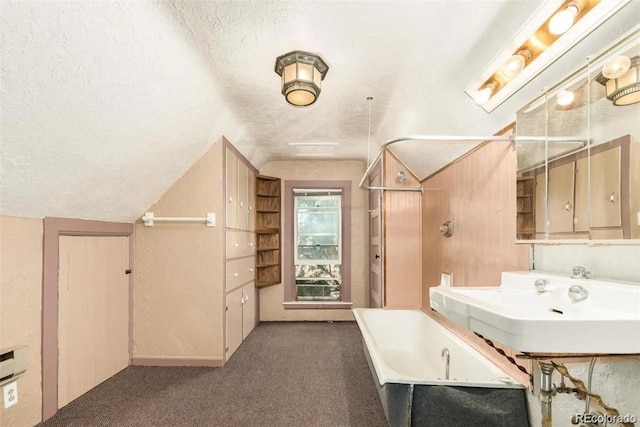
569, 210
240, 250
268, 250
526, 205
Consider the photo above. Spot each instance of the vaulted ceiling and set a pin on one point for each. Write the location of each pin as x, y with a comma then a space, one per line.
106, 104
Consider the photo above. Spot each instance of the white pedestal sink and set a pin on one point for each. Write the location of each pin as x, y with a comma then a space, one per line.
516, 315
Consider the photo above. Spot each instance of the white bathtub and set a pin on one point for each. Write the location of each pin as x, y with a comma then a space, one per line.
403, 349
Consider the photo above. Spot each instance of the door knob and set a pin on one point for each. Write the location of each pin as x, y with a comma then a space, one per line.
377, 256
567, 207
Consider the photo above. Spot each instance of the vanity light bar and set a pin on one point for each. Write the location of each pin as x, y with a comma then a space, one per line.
595, 63
539, 48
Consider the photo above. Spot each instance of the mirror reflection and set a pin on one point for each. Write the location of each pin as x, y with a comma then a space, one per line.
579, 152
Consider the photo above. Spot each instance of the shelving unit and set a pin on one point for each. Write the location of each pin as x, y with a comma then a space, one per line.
526, 193
268, 208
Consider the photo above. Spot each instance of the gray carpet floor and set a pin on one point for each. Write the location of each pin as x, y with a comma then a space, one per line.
284, 374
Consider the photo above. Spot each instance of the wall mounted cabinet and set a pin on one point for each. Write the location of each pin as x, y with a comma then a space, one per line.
240, 250
268, 210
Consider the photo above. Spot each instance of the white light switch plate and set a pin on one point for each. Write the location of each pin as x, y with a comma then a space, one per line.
445, 279
10, 392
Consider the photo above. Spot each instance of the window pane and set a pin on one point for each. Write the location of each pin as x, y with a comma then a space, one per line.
318, 252
318, 282
315, 221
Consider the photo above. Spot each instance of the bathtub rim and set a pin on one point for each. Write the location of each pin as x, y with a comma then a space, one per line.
379, 365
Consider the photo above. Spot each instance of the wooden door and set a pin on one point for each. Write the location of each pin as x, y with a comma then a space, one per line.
376, 285
234, 321
249, 309
605, 189
581, 208
561, 198
243, 192
231, 191
251, 200
93, 312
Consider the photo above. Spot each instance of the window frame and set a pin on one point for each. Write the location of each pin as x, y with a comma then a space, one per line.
289, 243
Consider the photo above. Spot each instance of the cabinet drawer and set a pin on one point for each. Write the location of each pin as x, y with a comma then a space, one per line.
240, 244
239, 272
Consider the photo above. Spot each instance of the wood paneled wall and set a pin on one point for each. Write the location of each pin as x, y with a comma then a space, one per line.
477, 193
402, 230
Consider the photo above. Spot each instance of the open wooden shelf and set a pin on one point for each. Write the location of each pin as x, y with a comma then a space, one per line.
268, 205
525, 205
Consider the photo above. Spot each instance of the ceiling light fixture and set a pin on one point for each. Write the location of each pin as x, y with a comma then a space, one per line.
565, 97
302, 74
536, 45
314, 154
624, 89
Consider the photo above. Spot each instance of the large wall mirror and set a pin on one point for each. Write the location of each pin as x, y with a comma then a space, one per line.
579, 152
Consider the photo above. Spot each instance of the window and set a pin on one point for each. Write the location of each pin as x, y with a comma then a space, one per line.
317, 244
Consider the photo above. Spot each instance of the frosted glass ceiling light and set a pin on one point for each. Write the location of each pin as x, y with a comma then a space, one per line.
302, 74
554, 28
616, 67
565, 97
563, 20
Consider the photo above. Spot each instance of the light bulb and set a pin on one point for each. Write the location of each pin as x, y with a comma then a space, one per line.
616, 67
565, 97
515, 64
483, 95
563, 20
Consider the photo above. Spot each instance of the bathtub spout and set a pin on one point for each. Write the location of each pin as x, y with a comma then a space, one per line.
445, 353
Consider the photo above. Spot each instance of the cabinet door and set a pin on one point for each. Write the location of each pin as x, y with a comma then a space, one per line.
560, 202
605, 189
581, 208
231, 212
234, 321
243, 190
251, 200
249, 309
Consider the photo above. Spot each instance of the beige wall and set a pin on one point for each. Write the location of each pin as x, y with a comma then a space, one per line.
272, 297
477, 193
178, 294
20, 311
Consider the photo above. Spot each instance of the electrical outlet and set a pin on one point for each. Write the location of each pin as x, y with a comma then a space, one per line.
10, 392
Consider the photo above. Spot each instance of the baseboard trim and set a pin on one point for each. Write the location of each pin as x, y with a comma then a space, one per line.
176, 361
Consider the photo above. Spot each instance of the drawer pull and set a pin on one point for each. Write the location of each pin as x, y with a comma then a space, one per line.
235, 274
251, 269
241, 204
612, 198
235, 245
251, 244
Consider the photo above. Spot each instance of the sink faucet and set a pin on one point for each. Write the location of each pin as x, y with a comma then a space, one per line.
540, 285
578, 293
445, 353
580, 272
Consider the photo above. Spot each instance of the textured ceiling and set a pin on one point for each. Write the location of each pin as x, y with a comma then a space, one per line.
106, 104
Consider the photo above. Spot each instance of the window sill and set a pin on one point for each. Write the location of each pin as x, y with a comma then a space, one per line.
316, 305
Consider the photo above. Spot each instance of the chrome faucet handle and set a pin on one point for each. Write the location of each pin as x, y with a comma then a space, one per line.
578, 293
540, 285
579, 272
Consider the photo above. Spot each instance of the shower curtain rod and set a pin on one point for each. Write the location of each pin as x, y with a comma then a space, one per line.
430, 138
